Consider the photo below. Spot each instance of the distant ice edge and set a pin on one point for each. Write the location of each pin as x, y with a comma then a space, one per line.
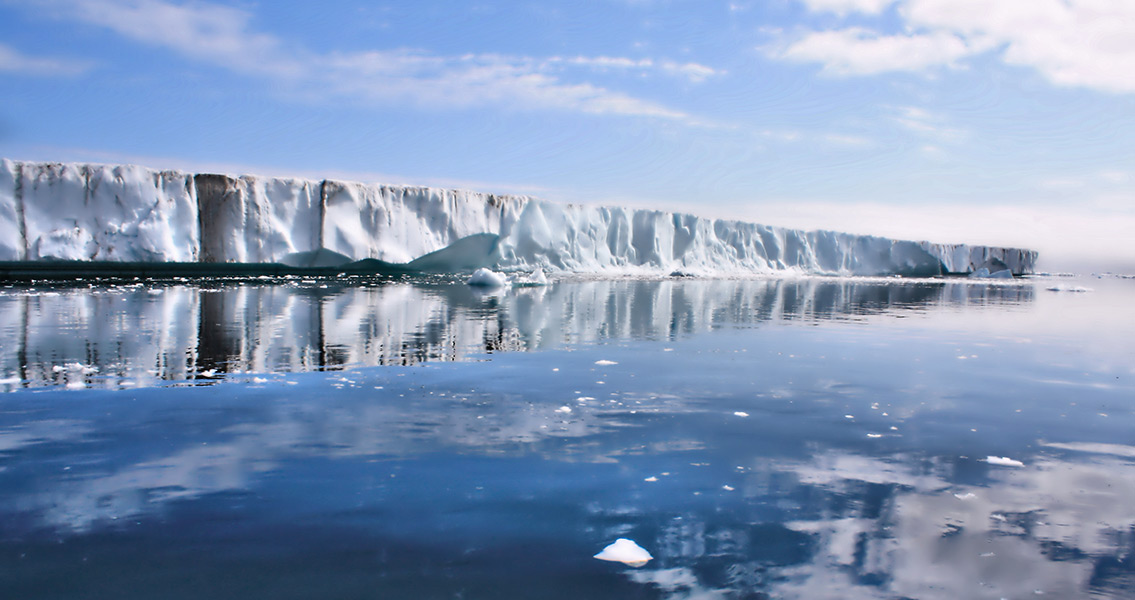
128, 213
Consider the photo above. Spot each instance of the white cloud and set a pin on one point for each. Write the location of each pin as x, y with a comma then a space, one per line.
1074, 43
842, 7
859, 51
693, 72
225, 37
209, 32
1082, 43
13, 61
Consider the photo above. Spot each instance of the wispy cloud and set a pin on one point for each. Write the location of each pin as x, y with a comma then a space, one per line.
693, 72
13, 61
226, 37
843, 7
927, 123
859, 51
1075, 43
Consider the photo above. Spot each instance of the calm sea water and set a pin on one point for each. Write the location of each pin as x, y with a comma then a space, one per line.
816, 438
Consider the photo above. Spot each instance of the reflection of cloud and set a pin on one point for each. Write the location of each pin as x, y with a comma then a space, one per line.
38, 432
912, 532
935, 539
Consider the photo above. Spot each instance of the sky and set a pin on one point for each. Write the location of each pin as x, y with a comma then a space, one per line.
1000, 122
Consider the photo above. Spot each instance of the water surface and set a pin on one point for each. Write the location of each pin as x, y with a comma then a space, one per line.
811, 438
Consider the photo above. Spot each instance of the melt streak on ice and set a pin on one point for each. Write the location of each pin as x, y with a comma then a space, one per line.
127, 213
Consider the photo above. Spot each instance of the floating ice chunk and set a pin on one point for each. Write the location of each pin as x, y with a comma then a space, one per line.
605, 363
487, 278
564, 409
874, 435
985, 273
651, 479
536, 278
1063, 287
728, 488
625, 551
740, 414
1004, 461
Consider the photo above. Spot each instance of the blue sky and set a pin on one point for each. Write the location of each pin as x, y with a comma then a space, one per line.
988, 121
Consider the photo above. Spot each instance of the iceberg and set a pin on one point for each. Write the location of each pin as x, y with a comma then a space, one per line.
625, 551
130, 215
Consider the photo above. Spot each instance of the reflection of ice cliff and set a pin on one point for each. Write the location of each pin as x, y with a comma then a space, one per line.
51, 211
135, 335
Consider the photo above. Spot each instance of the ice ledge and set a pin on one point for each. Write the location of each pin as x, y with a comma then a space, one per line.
132, 214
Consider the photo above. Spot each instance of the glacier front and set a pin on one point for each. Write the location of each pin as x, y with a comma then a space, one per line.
132, 214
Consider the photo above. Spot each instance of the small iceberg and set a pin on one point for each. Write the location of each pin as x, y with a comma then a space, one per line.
1004, 461
985, 273
1061, 287
626, 552
487, 278
535, 279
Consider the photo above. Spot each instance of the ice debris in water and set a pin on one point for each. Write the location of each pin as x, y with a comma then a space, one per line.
537, 278
985, 273
1004, 461
740, 414
1061, 287
487, 278
605, 363
625, 551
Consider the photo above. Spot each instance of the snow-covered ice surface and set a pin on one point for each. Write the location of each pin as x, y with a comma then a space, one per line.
130, 213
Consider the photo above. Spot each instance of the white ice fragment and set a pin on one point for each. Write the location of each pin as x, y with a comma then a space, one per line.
1063, 287
874, 435
965, 496
605, 363
728, 488
487, 278
1004, 461
259, 380
625, 551
564, 409
651, 479
740, 414
537, 278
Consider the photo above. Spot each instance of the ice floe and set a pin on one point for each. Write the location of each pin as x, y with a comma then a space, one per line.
625, 551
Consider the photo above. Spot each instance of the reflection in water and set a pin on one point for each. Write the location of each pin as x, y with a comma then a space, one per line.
832, 461
138, 335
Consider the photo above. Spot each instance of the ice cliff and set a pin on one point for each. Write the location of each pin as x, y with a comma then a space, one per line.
84, 212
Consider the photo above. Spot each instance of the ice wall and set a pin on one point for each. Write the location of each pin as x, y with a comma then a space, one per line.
54, 211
